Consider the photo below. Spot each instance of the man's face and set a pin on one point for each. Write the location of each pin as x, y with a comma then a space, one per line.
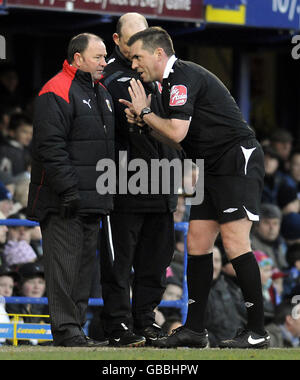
269, 229
34, 287
23, 134
124, 48
122, 39
6, 286
10, 80
6, 206
271, 164
295, 167
3, 234
92, 60
265, 274
283, 149
144, 62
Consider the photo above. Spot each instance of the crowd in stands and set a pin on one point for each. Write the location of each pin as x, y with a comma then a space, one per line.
275, 238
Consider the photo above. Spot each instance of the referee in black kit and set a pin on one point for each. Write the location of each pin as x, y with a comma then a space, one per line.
204, 118
141, 226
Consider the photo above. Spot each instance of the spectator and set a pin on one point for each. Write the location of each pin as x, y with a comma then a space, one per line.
290, 228
4, 122
285, 330
18, 233
265, 264
9, 81
293, 273
173, 292
266, 237
179, 214
273, 177
14, 154
287, 199
21, 194
17, 250
223, 315
36, 240
277, 289
293, 176
31, 284
282, 142
8, 181
3, 237
232, 283
6, 200
177, 263
8, 279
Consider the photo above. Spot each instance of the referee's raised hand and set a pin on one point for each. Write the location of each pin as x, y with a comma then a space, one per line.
138, 96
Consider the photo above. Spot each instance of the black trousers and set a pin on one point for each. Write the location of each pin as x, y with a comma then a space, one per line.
69, 247
143, 243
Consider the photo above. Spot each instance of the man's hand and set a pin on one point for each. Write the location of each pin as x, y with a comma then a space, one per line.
131, 116
139, 99
69, 204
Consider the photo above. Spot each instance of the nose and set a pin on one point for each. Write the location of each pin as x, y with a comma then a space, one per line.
103, 62
134, 64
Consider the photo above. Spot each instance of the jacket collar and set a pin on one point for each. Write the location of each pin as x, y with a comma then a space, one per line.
120, 57
84, 77
169, 66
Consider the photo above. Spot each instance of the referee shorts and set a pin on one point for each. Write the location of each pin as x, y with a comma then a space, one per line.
233, 189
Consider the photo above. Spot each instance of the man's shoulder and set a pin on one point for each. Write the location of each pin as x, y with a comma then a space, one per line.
188, 72
59, 85
184, 66
116, 72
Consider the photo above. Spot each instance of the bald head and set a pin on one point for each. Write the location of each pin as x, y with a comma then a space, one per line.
127, 26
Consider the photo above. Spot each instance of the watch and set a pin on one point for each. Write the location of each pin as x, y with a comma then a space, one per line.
145, 111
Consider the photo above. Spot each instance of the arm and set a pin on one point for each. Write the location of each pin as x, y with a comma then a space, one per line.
164, 140
173, 129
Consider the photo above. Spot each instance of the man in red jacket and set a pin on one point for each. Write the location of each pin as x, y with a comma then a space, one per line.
73, 130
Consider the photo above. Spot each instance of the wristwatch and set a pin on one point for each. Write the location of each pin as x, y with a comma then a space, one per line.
145, 111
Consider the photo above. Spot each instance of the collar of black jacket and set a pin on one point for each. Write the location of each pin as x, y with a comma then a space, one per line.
118, 55
84, 77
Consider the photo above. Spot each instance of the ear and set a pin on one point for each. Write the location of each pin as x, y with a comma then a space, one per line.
159, 52
289, 320
77, 59
116, 38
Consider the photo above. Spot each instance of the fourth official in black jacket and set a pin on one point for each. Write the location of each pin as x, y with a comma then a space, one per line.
141, 225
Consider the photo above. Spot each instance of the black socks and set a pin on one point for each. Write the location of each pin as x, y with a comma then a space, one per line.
248, 276
199, 279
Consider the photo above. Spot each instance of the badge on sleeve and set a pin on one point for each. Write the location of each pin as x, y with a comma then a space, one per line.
178, 95
159, 86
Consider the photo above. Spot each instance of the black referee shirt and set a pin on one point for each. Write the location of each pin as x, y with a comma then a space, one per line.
192, 92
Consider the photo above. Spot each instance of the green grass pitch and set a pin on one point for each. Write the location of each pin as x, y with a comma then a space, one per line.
60, 353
